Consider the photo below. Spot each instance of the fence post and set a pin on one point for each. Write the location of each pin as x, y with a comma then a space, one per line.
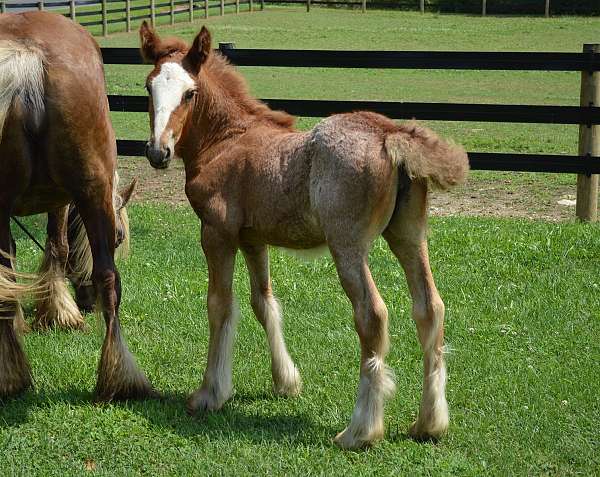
222, 7
237, 6
364, 6
172, 11
128, 15
205, 8
483, 7
589, 143
547, 11
152, 13
41, 5
262, 5
2, 6
422, 6
250, 6
72, 13
191, 7
307, 6
104, 23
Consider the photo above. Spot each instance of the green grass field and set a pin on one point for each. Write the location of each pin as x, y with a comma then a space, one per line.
522, 323
522, 297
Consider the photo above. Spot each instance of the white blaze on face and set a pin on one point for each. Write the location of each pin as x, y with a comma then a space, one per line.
168, 88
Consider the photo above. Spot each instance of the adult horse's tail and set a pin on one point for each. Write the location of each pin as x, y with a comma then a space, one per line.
22, 78
424, 155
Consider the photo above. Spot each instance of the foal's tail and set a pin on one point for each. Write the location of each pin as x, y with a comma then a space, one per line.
22, 77
424, 155
13, 292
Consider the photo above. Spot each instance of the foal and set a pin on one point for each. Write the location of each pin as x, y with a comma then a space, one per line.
254, 181
57, 146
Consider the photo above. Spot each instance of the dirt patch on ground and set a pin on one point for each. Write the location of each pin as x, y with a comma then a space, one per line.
503, 197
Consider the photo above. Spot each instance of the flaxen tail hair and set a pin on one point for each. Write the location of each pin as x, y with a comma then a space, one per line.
424, 155
12, 292
21, 76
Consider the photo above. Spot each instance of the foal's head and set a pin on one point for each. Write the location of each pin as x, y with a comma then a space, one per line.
172, 87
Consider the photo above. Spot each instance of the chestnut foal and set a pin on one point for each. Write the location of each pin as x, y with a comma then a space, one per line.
254, 181
57, 146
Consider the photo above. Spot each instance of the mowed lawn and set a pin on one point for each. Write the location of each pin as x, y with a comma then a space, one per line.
522, 303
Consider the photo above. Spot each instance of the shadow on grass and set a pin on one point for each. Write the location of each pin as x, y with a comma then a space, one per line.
235, 421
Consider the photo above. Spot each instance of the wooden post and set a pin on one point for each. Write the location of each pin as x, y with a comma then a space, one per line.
172, 11
128, 15
72, 13
205, 8
364, 6
104, 23
2, 6
589, 143
152, 13
237, 6
307, 6
262, 5
41, 5
547, 10
483, 7
250, 6
422, 2
222, 7
191, 12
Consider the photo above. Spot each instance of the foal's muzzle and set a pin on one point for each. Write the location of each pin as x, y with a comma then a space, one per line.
159, 157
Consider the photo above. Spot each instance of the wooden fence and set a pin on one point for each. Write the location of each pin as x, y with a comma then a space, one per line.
404, 4
586, 164
107, 12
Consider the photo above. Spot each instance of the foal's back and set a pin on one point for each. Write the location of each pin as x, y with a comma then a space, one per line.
71, 119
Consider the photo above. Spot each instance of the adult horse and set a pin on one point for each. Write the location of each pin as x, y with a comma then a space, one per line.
58, 146
254, 181
67, 254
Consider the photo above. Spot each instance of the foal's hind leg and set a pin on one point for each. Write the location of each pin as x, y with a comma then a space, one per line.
286, 379
57, 307
223, 313
406, 236
370, 319
15, 373
118, 374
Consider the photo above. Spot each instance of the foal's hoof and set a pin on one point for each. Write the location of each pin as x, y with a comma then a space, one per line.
349, 441
204, 400
421, 433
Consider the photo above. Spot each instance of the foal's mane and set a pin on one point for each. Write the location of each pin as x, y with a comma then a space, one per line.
225, 74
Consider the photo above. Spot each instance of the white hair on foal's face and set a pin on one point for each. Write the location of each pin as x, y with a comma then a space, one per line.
168, 89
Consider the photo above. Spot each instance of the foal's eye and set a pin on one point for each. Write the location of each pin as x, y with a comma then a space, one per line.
189, 94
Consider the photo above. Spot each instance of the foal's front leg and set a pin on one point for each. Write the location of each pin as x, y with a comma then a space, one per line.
286, 379
223, 315
57, 307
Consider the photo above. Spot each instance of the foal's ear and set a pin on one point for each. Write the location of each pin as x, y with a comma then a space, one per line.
149, 42
127, 193
199, 51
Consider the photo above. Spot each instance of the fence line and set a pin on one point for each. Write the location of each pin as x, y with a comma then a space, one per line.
109, 16
587, 115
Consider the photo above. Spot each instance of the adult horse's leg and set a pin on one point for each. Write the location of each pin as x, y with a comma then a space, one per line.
406, 236
15, 373
370, 319
223, 314
118, 374
57, 308
286, 379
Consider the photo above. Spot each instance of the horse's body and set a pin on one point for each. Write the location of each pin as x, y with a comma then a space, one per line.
254, 181
57, 146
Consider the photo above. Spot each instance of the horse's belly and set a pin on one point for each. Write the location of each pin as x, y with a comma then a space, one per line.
40, 199
296, 232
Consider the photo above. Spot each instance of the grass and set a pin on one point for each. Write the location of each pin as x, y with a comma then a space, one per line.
522, 321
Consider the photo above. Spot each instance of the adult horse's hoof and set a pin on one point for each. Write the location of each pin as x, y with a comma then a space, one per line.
349, 440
